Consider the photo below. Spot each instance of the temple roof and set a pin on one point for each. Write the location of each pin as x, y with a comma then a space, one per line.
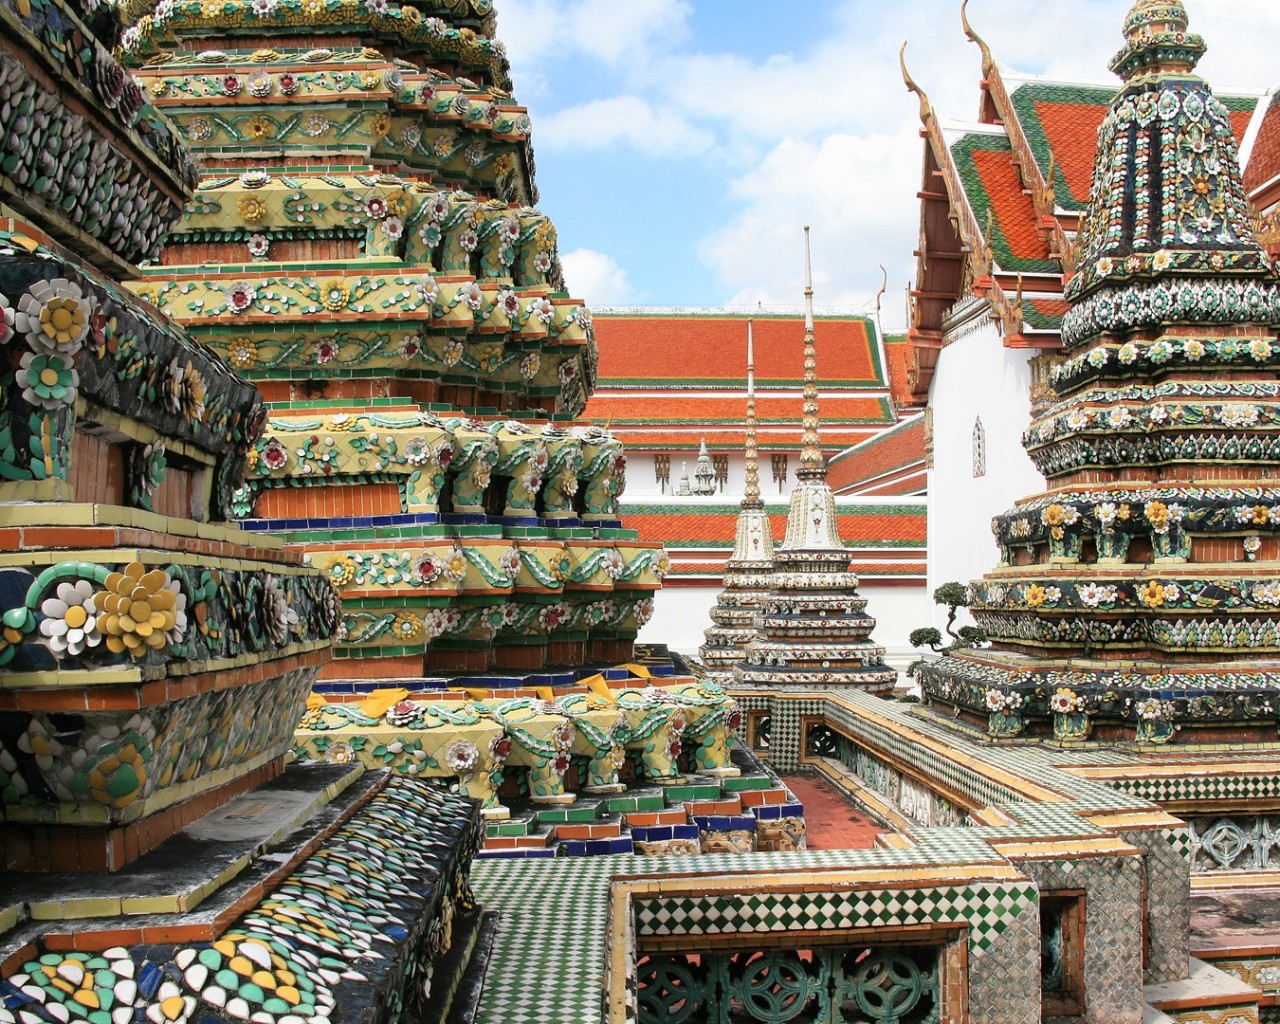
667, 379
884, 539
891, 463
1005, 194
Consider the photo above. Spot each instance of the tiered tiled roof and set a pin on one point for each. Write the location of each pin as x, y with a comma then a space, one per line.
668, 379
891, 463
1264, 157
1009, 191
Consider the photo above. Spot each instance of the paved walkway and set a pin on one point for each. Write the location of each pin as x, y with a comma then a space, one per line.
831, 821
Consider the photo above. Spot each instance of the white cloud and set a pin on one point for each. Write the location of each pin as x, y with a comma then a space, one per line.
623, 120
856, 192
536, 31
597, 278
820, 131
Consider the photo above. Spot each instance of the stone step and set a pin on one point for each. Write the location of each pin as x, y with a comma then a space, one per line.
580, 812
765, 797
1206, 988
690, 791
636, 800
670, 816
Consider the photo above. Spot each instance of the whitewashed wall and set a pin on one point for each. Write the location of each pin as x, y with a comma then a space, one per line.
976, 377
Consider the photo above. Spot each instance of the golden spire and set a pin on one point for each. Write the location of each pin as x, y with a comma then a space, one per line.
751, 497
811, 463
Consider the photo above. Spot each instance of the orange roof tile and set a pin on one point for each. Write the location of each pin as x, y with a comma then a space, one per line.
901, 359
693, 408
890, 451
1264, 161
1014, 212
1072, 132
685, 526
712, 350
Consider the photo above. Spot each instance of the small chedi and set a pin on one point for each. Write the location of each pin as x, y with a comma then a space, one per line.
1138, 596
813, 627
746, 574
363, 246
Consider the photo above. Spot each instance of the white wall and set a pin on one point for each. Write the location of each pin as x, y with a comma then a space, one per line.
976, 376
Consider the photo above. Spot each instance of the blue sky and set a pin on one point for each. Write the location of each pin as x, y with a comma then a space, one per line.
682, 144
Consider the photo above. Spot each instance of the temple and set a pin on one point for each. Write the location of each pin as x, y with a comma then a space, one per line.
323, 693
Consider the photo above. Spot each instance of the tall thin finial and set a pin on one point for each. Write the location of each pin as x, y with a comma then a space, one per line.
751, 494
811, 464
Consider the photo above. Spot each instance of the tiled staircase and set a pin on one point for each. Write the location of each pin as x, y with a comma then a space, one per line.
753, 811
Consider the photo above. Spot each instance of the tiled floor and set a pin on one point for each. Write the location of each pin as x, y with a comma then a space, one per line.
832, 822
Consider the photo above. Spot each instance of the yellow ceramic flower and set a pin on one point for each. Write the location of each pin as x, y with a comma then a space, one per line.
1152, 594
1157, 513
251, 209
398, 203
342, 570
158, 87
242, 353
1035, 595
370, 80
263, 56
251, 460
259, 128
1054, 515
407, 626
335, 296
137, 609
380, 126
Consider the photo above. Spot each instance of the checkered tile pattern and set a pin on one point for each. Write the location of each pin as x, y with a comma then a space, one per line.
986, 908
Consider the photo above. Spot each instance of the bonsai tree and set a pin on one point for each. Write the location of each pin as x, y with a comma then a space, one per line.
952, 596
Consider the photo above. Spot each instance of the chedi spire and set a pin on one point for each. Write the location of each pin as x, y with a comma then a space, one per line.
813, 626
1139, 594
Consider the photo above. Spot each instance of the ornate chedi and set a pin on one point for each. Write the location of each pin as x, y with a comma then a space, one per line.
1139, 596
746, 575
154, 660
363, 246
813, 627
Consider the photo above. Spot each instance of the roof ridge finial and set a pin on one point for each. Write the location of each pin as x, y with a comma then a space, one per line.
926, 111
811, 464
988, 61
751, 493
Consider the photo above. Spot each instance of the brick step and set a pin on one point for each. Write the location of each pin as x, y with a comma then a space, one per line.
522, 825
599, 830
706, 808
539, 840
594, 847
642, 819
764, 797
746, 783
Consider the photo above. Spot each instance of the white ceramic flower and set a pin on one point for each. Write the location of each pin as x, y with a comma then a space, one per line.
71, 620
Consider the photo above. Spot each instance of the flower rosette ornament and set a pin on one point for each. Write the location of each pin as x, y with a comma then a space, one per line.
455, 565
500, 748
259, 244
139, 611
341, 571
509, 563
643, 612
1064, 702
428, 567
405, 714
241, 295
48, 379
461, 757
54, 317
70, 622
278, 617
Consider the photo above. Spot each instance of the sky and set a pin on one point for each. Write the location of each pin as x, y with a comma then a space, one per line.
681, 145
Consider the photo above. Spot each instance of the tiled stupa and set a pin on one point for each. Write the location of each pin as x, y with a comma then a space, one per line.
363, 246
1140, 595
747, 573
813, 626
160, 861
